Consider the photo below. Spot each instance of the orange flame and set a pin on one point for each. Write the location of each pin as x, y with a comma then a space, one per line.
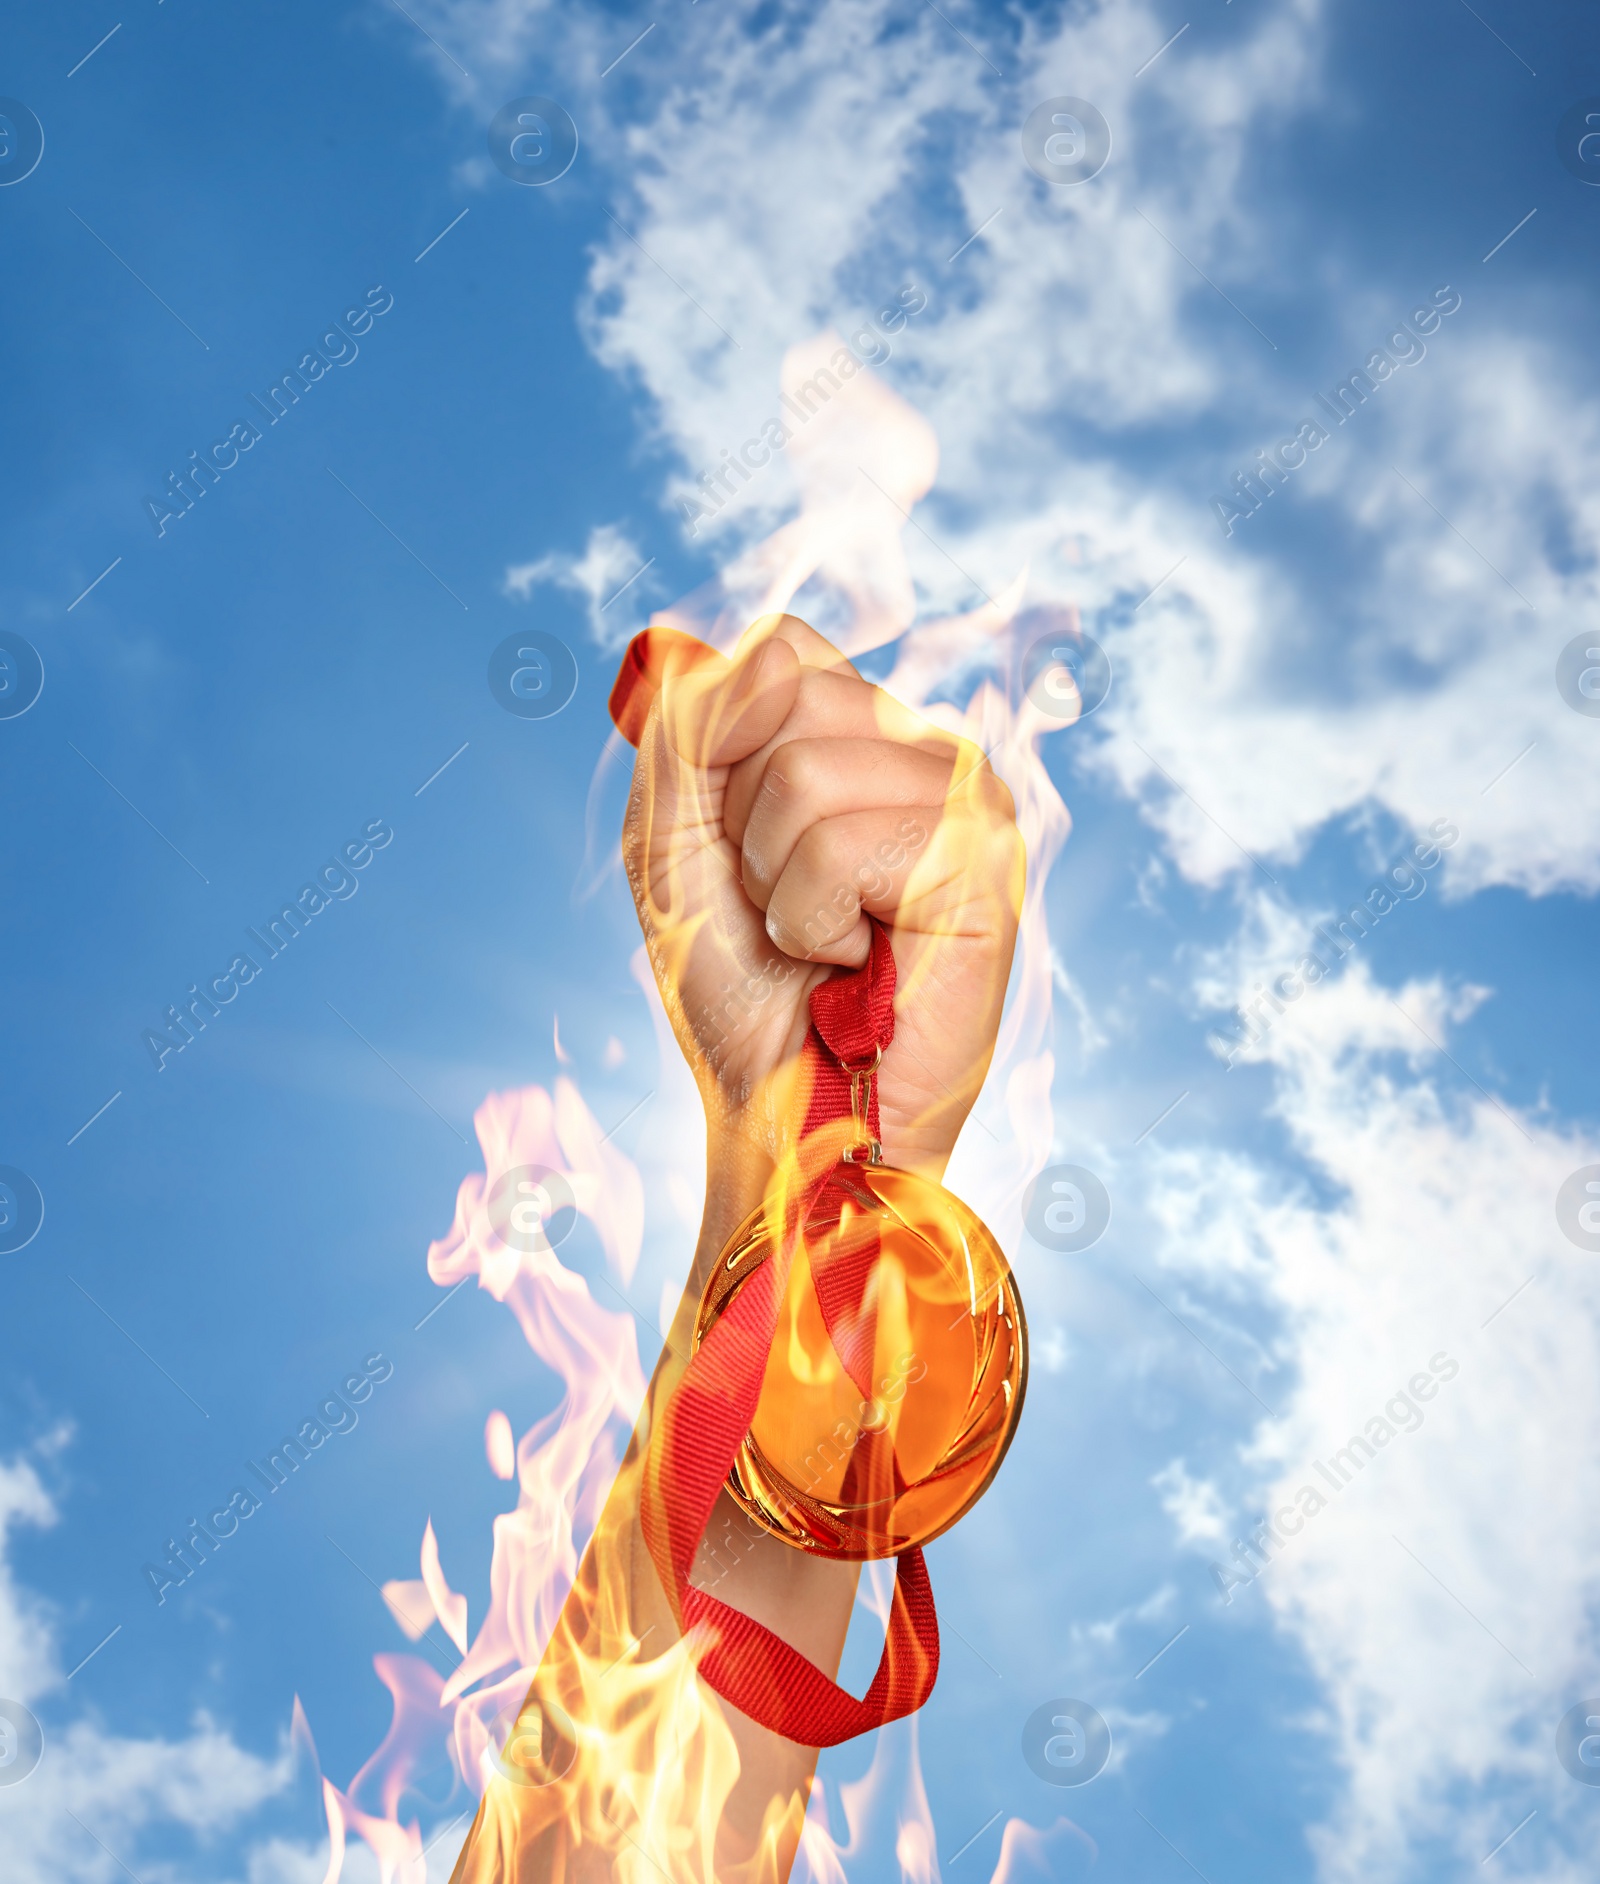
643, 1797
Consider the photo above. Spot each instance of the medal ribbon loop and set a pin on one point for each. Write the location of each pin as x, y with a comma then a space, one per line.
704, 1423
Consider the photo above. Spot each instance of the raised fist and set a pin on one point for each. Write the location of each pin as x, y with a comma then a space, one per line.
778, 802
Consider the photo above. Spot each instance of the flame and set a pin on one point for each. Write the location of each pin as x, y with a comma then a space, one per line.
862, 458
447, 1606
500, 1445
1027, 1853
563, 1466
623, 1767
887, 1809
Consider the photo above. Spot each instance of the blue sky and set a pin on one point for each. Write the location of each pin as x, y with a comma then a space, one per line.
292, 661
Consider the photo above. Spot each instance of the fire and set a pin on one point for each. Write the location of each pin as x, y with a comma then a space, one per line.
626, 1770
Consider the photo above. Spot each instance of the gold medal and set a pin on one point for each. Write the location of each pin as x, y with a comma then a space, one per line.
897, 1368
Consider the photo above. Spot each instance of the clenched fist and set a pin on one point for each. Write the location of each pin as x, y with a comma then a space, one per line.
779, 801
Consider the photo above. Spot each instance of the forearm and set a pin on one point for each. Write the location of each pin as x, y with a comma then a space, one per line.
656, 1759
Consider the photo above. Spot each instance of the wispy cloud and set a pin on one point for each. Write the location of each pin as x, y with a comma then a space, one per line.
612, 575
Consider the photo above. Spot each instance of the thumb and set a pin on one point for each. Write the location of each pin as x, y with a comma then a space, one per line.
714, 711
646, 662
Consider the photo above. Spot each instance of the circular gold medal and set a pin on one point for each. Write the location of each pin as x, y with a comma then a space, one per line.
896, 1372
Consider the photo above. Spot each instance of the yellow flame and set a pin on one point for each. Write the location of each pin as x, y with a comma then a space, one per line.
575, 1713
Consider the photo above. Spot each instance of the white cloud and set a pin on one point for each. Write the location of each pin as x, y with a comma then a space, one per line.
27, 1658
1280, 957
1051, 1350
1194, 1505
792, 175
93, 1783
286, 1861
1445, 1211
611, 565
1438, 677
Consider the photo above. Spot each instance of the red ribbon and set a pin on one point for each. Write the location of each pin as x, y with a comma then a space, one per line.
701, 1428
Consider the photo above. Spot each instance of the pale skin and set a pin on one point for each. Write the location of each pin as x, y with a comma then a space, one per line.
778, 801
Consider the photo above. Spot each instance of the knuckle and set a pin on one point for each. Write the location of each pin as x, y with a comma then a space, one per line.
1004, 803
990, 793
792, 774
817, 856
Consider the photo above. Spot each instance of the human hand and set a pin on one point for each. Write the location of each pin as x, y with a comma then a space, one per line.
778, 802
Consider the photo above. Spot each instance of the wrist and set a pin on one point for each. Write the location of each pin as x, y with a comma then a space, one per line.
739, 1167
745, 1146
